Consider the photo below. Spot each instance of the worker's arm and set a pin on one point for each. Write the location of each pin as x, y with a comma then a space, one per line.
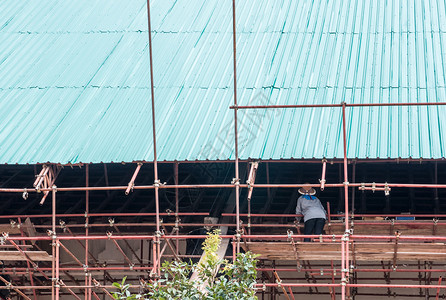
299, 209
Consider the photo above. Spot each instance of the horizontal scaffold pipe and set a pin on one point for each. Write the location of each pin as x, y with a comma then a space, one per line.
339, 215
401, 286
336, 105
104, 215
325, 238
204, 186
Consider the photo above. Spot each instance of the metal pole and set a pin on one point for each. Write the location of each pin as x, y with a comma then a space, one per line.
217, 186
236, 179
177, 204
53, 265
57, 270
87, 210
27, 262
345, 241
338, 105
155, 159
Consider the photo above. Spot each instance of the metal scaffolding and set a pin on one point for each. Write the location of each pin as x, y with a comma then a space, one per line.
91, 287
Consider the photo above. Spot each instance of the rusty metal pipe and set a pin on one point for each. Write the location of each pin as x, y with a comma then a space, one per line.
132, 181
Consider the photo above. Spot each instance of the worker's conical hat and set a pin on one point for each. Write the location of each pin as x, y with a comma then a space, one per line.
307, 190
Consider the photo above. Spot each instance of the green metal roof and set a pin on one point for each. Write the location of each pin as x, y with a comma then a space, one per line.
74, 79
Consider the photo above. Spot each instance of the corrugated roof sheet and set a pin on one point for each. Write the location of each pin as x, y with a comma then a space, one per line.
74, 79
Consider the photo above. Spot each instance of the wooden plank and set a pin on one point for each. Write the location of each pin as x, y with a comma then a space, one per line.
9, 229
13, 247
418, 227
30, 230
17, 256
363, 251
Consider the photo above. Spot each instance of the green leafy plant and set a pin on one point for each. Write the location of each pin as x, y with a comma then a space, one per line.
214, 278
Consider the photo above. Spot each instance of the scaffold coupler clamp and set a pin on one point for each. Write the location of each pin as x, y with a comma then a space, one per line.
264, 287
157, 237
131, 266
387, 189
322, 182
56, 282
352, 267
13, 223
289, 234
25, 194
373, 186
346, 183
85, 269
279, 283
111, 221
157, 183
362, 187
169, 212
177, 224
3, 238
63, 225
96, 283
235, 181
109, 234
344, 281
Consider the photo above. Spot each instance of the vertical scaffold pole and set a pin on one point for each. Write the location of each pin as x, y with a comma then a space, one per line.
345, 240
53, 245
155, 159
177, 207
87, 210
236, 179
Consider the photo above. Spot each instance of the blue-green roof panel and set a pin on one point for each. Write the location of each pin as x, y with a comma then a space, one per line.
75, 84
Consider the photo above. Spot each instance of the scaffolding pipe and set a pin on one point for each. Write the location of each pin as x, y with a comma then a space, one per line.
8, 285
177, 204
438, 289
245, 236
337, 105
57, 279
87, 211
236, 180
199, 186
324, 168
345, 241
53, 245
27, 262
102, 215
341, 215
155, 158
132, 181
